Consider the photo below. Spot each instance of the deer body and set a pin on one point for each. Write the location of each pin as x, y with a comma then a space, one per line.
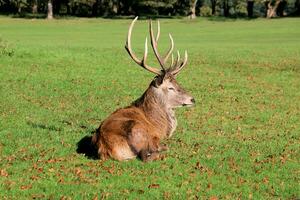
138, 129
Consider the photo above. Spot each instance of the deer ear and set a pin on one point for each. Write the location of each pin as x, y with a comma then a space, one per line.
157, 81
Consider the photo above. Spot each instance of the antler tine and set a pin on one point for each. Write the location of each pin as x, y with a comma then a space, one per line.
133, 56
158, 31
170, 49
176, 69
146, 51
154, 46
177, 61
172, 60
185, 59
162, 61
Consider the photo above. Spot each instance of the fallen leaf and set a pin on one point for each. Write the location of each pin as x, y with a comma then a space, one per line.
25, 187
51, 170
250, 196
141, 191
61, 180
3, 172
153, 185
78, 171
34, 178
167, 195
64, 198
265, 180
95, 198
38, 196
209, 186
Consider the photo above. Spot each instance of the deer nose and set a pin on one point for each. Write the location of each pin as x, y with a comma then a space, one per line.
193, 100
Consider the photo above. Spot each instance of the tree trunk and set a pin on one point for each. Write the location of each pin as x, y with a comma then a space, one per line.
192, 14
271, 9
68, 8
50, 10
297, 7
19, 7
226, 8
213, 6
113, 7
19, 10
56, 5
95, 8
34, 7
281, 7
250, 4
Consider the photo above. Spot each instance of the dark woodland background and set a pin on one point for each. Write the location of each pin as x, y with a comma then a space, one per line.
167, 8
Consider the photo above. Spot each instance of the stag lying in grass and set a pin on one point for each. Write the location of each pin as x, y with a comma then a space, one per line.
136, 131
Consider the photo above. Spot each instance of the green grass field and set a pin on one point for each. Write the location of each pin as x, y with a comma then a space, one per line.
59, 79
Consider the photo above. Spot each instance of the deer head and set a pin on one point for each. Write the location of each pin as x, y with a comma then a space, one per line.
164, 84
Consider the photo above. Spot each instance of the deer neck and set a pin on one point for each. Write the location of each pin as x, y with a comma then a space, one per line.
157, 112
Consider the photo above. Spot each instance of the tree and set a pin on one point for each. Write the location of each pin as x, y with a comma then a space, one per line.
275, 8
297, 7
280, 8
190, 8
20, 4
157, 7
50, 10
193, 5
34, 7
226, 8
213, 6
250, 5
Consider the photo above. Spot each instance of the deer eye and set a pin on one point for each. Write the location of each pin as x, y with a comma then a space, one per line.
170, 88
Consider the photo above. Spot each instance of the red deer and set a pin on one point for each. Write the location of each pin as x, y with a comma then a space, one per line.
136, 130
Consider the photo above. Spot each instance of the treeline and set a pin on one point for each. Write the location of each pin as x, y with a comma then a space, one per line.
191, 8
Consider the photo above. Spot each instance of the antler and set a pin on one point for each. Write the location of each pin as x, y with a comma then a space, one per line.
162, 61
174, 68
133, 56
177, 66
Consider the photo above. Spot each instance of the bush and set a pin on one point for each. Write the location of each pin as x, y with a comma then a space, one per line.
205, 11
241, 9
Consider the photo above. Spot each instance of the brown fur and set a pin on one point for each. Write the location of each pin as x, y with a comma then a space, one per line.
137, 129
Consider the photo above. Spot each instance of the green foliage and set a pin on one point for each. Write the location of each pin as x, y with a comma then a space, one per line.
240, 9
157, 3
241, 140
108, 8
82, 7
155, 7
205, 11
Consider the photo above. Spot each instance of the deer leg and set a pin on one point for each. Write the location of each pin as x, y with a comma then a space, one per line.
151, 152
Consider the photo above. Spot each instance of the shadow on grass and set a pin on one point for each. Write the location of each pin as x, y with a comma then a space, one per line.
43, 126
84, 146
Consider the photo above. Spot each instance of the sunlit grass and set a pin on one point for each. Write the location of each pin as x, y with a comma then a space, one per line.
65, 76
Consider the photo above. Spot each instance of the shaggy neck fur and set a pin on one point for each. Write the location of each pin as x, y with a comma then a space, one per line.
157, 112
